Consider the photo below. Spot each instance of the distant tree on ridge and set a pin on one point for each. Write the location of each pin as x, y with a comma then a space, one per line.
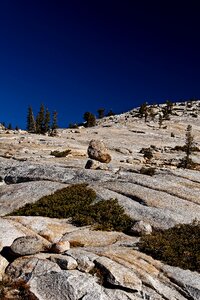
31, 125
90, 119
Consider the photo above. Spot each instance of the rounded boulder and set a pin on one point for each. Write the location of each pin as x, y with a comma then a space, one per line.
98, 151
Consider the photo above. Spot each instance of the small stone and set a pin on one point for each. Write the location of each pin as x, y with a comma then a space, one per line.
85, 264
65, 262
92, 164
141, 227
60, 247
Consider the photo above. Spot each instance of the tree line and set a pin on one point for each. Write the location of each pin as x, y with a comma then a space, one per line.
90, 118
42, 124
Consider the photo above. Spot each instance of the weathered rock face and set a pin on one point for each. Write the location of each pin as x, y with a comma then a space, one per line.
26, 268
13, 196
169, 197
119, 275
127, 274
97, 150
88, 238
8, 233
67, 285
188, 280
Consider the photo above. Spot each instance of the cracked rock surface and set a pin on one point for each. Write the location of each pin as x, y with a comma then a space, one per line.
103, 265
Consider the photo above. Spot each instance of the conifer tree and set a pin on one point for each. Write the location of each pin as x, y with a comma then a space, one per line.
188, 144
143, 109
90, 119
9, 126
47, 121
54, 125
186, 162
40, 120
31, 126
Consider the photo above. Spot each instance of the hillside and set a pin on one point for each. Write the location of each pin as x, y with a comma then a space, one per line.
168, 196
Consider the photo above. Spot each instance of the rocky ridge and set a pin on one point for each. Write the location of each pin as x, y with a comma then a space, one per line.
172, 195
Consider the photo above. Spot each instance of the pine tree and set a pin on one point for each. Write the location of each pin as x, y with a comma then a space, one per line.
143, 109
9, 126
40, 120
90, 119
31, 126
186, 162
188, 144
54, 125
47, 121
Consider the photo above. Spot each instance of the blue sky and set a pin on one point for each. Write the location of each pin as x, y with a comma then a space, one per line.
77, 56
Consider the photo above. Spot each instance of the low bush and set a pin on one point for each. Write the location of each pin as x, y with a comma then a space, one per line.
177, 246
148, 171
187, 163
18, 290
76, 201
183, 148
148, 152
74, 244
57, 153
105, 215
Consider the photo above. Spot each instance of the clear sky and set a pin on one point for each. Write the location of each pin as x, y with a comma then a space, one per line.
80, 55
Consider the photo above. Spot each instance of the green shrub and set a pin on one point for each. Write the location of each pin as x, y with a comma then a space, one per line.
183, 148
90, 119
76, 201
105, 215
148, 171
187, 163
57, 153
178, 246
63, 203
148, 152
